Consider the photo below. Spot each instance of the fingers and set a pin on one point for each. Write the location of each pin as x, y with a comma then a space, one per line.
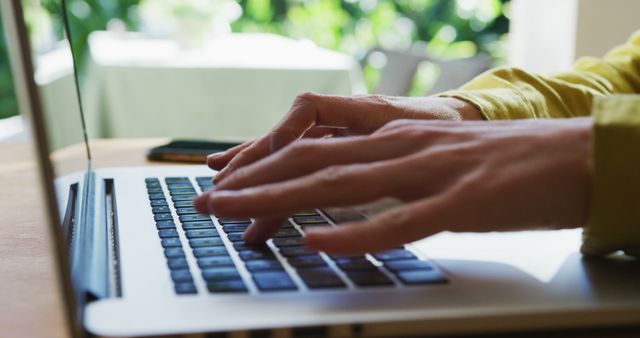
256, 150
391, 229
219, 160
361, 115
263, 228
305, 157
334, 186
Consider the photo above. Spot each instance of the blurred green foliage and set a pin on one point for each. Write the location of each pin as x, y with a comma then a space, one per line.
8, 105
447, 28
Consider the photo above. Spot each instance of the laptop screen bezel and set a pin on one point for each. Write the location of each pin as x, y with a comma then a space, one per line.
30, 107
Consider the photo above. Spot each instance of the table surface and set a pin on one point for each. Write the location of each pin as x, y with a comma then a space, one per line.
31, 302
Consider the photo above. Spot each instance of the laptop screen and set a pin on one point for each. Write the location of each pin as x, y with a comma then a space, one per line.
57, 82
48, 93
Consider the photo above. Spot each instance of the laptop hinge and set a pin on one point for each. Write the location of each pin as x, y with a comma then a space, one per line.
95, 263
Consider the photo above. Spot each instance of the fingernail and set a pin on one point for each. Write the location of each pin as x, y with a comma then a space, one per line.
200, 202
250, 234
221, 174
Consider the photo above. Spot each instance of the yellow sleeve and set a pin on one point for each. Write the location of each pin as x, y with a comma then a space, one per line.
511, 93
508, 93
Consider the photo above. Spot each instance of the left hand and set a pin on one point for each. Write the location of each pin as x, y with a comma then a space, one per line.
452, 175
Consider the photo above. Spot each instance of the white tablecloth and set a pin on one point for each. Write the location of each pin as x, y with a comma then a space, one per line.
236, 86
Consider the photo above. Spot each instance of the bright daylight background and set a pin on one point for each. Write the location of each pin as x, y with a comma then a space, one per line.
409, 39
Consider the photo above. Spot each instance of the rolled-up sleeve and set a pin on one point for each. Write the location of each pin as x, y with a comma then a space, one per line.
591, 88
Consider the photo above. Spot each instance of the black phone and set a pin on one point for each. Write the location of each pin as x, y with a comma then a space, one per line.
192, 151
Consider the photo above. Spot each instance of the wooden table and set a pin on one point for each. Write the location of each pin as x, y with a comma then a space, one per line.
30, 303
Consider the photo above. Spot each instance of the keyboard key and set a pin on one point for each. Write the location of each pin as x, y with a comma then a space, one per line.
273, 281
155, 203
288, 241
157, 196
260, 253
313, 219
177, 263
206, 241
394, 254
210, 251
215, 261
228, 228
263, 265
236, 285
160, 209
247, 255
162, 217
355, 263
307, 261
198, 225
151, 180
222, 273
165, 225
415, 277
406, 265
206, 187
185, 288
369, 278
174, 252
186, 211
175, 186
181, 276
168, 233
320, 278
236, 236
287, 233
198, 233
292, 251
194, 218
307, 213
171, 242
183, 197
242, 245
343, 215
227, 220
151, 185
154, 190
204, 179
173, 180
183, 204
176, 192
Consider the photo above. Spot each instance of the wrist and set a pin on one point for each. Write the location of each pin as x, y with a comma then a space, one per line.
466, 110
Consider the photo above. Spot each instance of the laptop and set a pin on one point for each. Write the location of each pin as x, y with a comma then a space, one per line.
135, 259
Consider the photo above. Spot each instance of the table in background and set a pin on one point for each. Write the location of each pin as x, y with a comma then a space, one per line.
235, 86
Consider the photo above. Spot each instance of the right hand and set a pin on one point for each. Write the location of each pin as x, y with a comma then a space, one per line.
315, 116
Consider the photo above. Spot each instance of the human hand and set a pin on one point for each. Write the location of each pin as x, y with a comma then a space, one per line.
452, 176
317, 116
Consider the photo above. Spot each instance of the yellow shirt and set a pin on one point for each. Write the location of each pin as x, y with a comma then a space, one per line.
592, 87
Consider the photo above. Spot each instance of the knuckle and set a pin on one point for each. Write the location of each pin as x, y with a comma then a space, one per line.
400, 123
300, 148
306, 97
333, 176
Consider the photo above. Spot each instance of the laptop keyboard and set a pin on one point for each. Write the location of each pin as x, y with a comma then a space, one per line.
265, 264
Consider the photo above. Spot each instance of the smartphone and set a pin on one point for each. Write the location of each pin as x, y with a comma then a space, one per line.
191, 151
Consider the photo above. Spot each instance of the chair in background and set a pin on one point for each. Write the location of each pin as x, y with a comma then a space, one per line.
401, 67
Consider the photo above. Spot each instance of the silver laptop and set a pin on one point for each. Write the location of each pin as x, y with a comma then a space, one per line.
135, 259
